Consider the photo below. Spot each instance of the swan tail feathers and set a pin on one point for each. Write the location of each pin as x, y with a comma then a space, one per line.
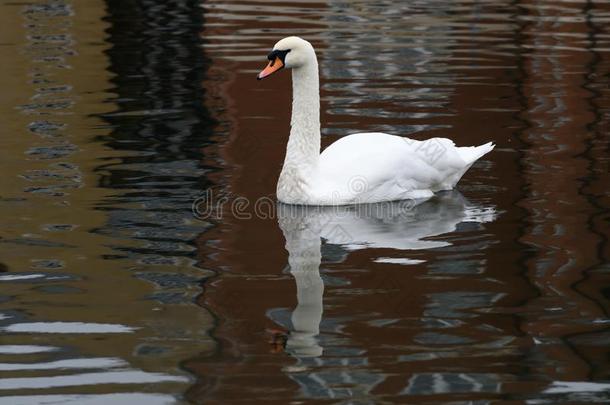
471, 154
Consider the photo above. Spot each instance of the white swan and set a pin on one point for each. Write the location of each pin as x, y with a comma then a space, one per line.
359, 168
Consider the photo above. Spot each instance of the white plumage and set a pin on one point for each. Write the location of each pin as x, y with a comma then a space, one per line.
359, 168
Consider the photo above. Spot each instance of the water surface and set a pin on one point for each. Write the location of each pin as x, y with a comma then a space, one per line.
118, 117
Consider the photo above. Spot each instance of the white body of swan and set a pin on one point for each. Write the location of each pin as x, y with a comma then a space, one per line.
359, 168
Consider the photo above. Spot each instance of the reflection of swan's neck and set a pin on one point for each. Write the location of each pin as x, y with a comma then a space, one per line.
304, 256
307, 316
303, 150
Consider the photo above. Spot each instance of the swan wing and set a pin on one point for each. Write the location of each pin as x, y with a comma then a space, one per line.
379, 167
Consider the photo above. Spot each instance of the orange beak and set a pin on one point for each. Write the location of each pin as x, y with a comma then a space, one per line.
271, 68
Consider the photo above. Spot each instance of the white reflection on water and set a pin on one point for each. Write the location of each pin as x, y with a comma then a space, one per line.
445, 383
26, 349
67, 327
103, 399
111, 377
401, 226
398, 260
14, 277
398, 225
100, 362
563, 387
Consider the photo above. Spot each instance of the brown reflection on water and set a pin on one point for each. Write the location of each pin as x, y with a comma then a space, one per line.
79, 318
568, 244
493, 307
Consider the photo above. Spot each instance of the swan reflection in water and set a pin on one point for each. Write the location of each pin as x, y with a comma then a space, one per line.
402, 225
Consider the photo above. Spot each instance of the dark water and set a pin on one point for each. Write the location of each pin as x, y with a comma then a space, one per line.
119, 117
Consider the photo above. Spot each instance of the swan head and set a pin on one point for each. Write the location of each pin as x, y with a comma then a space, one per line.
290, 52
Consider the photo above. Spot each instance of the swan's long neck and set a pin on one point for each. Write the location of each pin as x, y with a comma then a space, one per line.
303, 150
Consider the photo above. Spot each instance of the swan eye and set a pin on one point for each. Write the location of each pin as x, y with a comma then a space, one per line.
278, 54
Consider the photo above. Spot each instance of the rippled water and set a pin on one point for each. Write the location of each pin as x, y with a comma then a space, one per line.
119, 116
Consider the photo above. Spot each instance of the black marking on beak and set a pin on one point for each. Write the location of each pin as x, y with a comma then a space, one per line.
278, 54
